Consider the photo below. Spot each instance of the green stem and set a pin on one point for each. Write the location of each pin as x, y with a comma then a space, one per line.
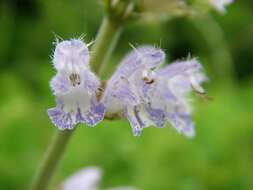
51, 160
106, 41
218, 48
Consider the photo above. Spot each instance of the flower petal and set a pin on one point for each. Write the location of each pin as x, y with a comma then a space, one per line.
180, 68
60, 84
147, 56
122, 89
61, 119
122, 85
157, 116
183, 124
183, 77
95, 114
71, 56
134, 119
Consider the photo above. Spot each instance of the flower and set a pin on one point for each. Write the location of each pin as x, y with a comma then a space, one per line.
85, 179
220, 4
149, 95
88, 179
119, 89
74, 87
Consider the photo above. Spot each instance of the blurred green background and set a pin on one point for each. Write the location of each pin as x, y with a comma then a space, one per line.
221, 155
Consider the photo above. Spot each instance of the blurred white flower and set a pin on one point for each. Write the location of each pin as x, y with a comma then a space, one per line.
85, 179
220, 5
122, 188
88, 179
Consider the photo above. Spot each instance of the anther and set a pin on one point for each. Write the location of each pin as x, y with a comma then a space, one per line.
75, 79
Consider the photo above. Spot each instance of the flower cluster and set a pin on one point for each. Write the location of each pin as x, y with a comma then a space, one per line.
141, 90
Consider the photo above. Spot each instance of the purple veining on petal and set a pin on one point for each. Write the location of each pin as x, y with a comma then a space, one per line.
122, 90
79, 116
120, 86
183, 123
60, 84
146, 88
90, 81
171, 83
157, 116
95, 114
136, 131
60, 119
133, 121
165, 93
138, 118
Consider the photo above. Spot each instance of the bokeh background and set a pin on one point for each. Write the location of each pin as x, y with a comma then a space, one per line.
221, 155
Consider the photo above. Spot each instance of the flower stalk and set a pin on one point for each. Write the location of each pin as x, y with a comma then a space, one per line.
105, 43
102, 49
51, 160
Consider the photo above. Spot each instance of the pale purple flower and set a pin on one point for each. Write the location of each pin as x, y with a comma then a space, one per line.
150, 96
74, 87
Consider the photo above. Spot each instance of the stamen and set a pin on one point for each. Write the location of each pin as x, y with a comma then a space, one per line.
75, 79
148, 81
147, 77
